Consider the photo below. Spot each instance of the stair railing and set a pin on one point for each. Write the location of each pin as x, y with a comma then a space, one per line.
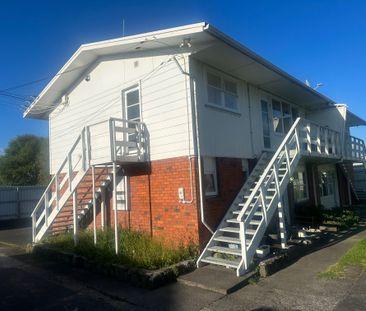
113, 140
304, 138
260, 188
62, 184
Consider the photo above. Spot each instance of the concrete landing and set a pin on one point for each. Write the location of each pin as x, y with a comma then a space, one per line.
217, 279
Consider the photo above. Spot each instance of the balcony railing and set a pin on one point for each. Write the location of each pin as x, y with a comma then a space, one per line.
117, 140
354, 149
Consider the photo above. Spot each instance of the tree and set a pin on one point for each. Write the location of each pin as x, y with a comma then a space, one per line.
25, 162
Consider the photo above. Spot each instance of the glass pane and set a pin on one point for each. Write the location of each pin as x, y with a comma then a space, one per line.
286, 110
133, 112
265, 124
231, 101
209, 184
267, 142
264, 106
277, 116
132, 98
287, 124
295, 114
213, 80
214, 96
230, 86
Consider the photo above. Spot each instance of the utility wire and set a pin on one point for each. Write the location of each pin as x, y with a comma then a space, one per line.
40, 80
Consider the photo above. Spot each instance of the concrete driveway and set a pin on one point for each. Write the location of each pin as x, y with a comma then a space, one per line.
18, 236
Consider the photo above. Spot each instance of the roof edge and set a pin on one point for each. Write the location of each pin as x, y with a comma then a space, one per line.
88, 46
243, 49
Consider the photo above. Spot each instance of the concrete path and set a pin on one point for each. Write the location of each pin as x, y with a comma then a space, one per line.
298, 287
29, 284
19, 236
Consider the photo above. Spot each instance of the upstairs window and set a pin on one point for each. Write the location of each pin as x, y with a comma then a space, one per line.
277, 116
222, 92
282, 116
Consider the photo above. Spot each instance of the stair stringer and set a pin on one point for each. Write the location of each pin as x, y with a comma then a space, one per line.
348, 177
272, 207
65, 197
238, 199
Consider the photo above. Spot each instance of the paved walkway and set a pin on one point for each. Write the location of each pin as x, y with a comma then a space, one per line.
19, 236
35, 285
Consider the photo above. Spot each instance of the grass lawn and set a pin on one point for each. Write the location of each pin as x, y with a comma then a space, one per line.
136, 249
356, 257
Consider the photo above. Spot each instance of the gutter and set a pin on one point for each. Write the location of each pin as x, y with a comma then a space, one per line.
242, 49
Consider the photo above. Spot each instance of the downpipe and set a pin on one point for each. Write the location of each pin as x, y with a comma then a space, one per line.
196, 130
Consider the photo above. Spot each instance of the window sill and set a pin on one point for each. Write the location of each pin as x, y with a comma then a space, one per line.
223, 109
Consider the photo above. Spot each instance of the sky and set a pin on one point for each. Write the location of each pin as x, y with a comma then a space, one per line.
321, 41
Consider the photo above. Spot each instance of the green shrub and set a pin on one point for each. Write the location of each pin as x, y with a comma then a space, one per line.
339, 217
136, 249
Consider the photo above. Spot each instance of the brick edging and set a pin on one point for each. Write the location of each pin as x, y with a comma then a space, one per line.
136, 276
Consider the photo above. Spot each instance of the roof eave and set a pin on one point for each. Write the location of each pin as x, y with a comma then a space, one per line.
233, 43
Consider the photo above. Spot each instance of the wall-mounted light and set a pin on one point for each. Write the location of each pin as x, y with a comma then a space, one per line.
87, 78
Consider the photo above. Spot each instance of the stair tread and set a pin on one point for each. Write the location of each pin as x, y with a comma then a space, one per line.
237, 212
252, 222
230, 229
221, 262
227, 239
225, 250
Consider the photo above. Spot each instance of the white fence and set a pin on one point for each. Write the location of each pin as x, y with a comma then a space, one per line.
19, 202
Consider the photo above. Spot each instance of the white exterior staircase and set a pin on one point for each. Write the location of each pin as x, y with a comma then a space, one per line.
234, 243
86, 170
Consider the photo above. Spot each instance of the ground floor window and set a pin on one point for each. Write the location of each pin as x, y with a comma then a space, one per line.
210, 176
300, 186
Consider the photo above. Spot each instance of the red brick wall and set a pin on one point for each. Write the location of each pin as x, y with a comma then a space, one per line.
154, 202
230, 178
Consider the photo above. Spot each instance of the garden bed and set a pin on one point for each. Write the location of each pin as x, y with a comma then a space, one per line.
143, 261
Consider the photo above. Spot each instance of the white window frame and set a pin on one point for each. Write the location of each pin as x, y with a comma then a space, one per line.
209, 168
305, 185
282, 117
270, 123
125, 180
223, 77
124, 104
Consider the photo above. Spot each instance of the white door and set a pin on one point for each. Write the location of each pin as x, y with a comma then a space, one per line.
328, 187
131, 111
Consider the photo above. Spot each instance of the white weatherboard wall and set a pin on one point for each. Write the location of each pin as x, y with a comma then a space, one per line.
227, 134
222, 133
164, 97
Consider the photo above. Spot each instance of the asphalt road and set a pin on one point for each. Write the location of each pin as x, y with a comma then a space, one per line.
26, 283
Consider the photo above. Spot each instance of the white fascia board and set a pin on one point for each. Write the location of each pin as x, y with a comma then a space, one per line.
236, 45
93, 47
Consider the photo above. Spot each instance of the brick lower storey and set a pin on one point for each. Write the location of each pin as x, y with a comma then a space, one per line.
154, 205
155, 208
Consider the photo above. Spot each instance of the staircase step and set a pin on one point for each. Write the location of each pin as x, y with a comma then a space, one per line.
221, 262
225, 250
235, 221
227, 239
255, 214
230, 229
250, 231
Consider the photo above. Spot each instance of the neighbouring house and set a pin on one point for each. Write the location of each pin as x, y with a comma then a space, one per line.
188, 135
